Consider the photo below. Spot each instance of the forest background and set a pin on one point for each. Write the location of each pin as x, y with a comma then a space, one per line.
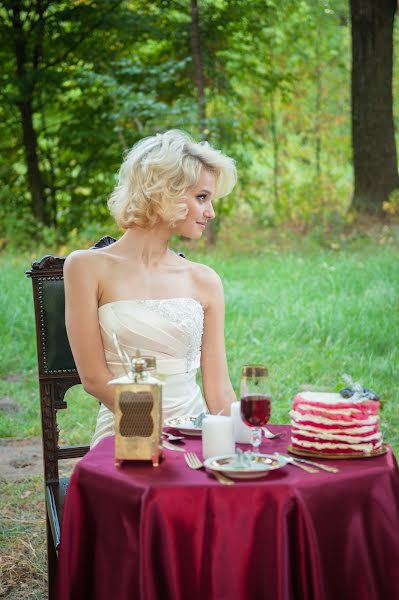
299, 93
267, 82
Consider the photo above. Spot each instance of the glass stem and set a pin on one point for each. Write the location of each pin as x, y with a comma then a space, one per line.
256, 438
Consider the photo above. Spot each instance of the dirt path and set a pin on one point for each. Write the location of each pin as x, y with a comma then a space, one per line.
20, 458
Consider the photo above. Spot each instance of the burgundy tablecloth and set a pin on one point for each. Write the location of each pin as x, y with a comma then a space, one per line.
170, 533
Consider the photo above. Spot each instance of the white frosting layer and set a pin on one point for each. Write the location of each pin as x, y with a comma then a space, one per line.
325, 435
368, 448
319, 420
327, 409
322, 397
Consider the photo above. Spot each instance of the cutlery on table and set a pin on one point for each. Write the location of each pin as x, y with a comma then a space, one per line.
194, 462
170, 446
292, 461
321, 466
271, 436
173, 438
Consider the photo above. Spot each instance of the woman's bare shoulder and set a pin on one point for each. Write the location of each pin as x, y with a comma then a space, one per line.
207, 283
84, 272
203, 273
87, 259
87, 268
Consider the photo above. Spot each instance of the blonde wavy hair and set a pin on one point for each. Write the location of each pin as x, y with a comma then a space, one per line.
157, 172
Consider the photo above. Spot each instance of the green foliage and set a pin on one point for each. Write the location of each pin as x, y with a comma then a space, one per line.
391, 206
99, 78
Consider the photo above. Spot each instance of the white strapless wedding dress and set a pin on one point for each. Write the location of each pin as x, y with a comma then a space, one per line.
169, 329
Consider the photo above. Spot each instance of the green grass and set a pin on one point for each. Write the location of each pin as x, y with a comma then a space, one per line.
23, 570
310, 312
310, 308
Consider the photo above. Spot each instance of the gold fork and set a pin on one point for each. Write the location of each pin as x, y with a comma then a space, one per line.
194, 462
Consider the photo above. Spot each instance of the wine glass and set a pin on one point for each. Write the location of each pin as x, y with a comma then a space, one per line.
255, 401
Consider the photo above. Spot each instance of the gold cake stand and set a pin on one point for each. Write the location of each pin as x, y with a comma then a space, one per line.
314, 454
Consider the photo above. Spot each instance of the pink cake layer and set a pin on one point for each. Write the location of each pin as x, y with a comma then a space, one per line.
348, 433
349, 440
328, 423
343, 410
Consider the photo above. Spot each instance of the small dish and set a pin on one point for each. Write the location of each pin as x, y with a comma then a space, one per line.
185, 425
260, 466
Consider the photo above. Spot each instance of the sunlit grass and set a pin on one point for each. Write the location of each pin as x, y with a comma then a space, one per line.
309, 312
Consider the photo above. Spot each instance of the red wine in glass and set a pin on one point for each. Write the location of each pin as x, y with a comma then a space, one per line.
255, 412
255, 409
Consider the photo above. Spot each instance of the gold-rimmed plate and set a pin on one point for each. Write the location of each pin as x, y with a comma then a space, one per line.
260, 465
313, 454
185, 424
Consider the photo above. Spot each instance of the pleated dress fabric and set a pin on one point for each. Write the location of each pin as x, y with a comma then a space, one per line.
169, 329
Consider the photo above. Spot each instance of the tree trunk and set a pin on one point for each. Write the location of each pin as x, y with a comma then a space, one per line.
211, 230
373, 135
318, 122
24, 102
276, 151
198, 68
36, 187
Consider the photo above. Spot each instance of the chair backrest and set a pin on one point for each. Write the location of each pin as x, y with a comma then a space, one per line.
56, 367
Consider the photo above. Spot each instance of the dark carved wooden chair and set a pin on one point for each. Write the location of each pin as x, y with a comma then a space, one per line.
57, 373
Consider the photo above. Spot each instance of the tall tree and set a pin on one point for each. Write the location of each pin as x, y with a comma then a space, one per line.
44, 46
198, 67
373, 135
27, 61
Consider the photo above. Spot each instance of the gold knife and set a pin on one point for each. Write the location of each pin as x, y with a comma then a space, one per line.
316, 464
292, 461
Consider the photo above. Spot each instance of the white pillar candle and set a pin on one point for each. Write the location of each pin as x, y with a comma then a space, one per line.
241, 432
217, 436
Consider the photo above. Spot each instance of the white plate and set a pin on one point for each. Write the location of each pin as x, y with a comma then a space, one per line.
260, 466
184, 424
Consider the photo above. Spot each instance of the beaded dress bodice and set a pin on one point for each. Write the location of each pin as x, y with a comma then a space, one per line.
169, 329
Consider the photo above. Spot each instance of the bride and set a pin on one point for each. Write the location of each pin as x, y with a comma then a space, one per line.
153, 299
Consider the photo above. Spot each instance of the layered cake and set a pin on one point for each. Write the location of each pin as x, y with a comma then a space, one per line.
330, 423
